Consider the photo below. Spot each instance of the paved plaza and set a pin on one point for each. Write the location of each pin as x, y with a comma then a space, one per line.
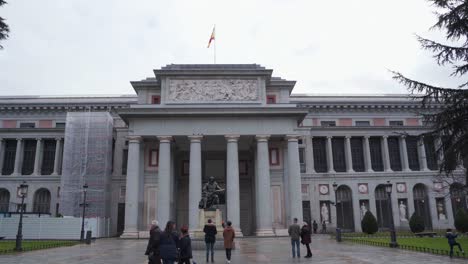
252, 250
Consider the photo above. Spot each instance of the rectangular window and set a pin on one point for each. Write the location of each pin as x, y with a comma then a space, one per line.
302, 160
274, 156
339, 162
155, 99
431, 153
9, 157
123, 191
357, 154
29, 153
153, 158
395, 123
328, 123
48, 157
376, 153
271, 99
412, 150
362, 123
59, 125
27, 125
320, 154
394, 152
124, 161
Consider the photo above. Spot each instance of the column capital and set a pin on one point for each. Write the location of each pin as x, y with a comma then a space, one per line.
19, 139
403, 136
367, 136
194, 138
232, 138
330, 137
38, 139
347, 136
165, 139
384, 136
292, 138
58, 138
262, 138
134, 139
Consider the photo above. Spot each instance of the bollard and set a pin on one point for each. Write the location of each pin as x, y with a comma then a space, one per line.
338, 235
88, 237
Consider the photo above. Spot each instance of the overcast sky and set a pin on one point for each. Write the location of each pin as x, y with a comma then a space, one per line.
98, 46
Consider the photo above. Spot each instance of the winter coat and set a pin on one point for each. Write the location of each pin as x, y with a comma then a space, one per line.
210, 233
153, 241
294, 231
305, 235
185, 247
168, 246
229, 234
451, 238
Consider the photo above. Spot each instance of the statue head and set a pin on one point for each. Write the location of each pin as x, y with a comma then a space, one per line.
211, 179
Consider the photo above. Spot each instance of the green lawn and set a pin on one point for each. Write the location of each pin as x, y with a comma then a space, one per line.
8, 246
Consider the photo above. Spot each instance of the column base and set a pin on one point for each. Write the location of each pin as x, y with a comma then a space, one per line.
350, 171
265, 232
239, 233
370, 170
130, 235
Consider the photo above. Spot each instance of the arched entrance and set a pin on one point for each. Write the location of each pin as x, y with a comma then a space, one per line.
42, 201
382, 204
344, 208
4, 200
457, 197
421, 204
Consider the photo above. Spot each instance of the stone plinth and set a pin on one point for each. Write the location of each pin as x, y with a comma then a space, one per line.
204, 214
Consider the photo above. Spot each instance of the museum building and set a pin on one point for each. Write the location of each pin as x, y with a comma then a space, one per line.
278, 155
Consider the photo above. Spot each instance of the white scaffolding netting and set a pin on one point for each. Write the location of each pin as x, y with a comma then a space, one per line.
87, 158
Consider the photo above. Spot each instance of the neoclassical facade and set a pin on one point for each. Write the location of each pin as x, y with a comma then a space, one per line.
278, 155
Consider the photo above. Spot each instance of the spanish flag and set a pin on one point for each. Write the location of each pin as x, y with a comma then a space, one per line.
212, 37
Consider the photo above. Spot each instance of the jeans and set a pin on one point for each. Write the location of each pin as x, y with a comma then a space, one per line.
451, 248
209, 246
228, 253
295, 242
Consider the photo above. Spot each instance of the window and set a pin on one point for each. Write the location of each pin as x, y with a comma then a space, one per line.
271, 99
395, 123
153, 158
357, 154
28, 125
376, 153
42, 201
124, 161
328, 123
155, 99
29, 154
302, 160
412, 149
339, 162
9, 157
60, 125
320, 154
394, 152
274, 156
4, 200
431, 155
362, 123
123, 191
48, 157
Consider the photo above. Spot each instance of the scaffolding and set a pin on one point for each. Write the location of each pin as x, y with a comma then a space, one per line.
87, 158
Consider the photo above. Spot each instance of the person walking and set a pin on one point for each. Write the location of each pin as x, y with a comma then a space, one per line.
324, 227
228, 234
451, 238
306, 238
315, 226
210, 238
152, 249
168, 243
185, 246
294, 232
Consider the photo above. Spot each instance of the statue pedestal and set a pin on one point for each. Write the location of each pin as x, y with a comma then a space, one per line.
204, 214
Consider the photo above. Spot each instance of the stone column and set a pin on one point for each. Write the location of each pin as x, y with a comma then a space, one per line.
404, 153
132, 187
295, 190
349, 158
367, 155
232, 182
38, 157
386, 154
58, 153
18, 157
263, 188
422, 155
164, 180
309, 155
195, 181
331, 168
2, 153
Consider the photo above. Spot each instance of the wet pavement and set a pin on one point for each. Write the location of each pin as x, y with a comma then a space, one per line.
251, 250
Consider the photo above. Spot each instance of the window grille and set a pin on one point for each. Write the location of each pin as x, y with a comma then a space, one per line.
48, 157
376, 153
124, 161
394, 153
320, 154
339, 162
357, 154
29, 153
9, 157
42, 201
431, 153
412, 149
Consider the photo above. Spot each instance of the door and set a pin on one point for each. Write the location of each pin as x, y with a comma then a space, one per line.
120, 218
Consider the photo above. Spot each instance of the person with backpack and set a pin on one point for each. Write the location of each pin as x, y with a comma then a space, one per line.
152, 250
451, 238
210, 238
168, 243
185, 246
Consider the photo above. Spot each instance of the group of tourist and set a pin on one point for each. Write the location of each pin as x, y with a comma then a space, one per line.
298, 235
169, 246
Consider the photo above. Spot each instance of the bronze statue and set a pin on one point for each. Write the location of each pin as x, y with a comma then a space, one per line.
210, 192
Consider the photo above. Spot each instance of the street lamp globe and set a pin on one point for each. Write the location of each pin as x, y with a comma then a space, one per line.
388, 187
335, 186
23, 189
85, 187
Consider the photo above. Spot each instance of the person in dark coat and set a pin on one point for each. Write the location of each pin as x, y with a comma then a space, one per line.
168, 244
210, 238
451, 238
324, 227
152, 250
229, 234
185, 246
315, 226
306, 239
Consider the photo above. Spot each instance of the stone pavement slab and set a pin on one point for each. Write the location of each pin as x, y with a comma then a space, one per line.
251, 250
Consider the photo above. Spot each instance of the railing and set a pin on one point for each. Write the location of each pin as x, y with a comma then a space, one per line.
37, 246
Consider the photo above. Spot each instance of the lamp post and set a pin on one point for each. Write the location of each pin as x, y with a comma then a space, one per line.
388, 190
85, 189
338, 230
22, 192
